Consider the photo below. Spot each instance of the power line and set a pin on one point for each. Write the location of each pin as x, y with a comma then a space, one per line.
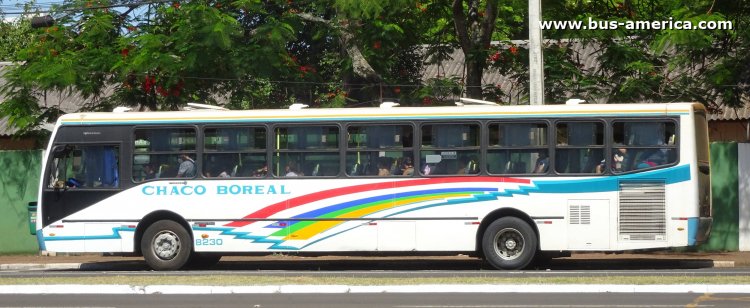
80, 9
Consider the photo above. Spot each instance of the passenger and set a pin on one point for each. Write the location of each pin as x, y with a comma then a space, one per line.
187, 167
542, 163
291, 169
149, 172
408, 167
384, 167
261, 172
652, 159
462, 165
618, 159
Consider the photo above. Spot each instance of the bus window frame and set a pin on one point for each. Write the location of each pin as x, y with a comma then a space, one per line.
554, 145
487, 147
265, 151
419, 168
197, 151
413, 149
677, 146
271, 150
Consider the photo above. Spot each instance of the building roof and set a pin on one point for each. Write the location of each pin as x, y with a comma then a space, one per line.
725, 113
587, 55
67, 102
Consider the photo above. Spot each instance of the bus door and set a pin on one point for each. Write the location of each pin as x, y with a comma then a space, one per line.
79, 176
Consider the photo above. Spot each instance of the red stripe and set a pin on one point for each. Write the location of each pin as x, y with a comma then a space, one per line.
297, 201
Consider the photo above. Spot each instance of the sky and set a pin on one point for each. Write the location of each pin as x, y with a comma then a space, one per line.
13, 8
16, 6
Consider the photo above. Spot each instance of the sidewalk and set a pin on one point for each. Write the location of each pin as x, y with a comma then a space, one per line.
613, 261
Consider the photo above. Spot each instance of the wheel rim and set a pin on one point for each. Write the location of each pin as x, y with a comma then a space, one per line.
509, 244
166, 245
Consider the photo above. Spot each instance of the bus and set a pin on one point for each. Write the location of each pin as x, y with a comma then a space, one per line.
508, 184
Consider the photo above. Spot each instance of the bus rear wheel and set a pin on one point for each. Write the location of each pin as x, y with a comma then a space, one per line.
166, 245
509, 243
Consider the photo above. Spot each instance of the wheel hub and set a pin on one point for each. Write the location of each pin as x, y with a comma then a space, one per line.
509, 244
166, 245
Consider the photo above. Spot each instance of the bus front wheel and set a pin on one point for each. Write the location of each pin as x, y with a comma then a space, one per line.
166, 245
509, 243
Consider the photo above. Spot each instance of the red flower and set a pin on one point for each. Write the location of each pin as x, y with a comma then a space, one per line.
176, 5
397, 90
148, 83
513, 50
427, 101
124, 52
496, 56
376, 45
162, 91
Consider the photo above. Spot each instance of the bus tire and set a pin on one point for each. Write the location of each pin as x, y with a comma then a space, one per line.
203, 260
509, 243
166, 245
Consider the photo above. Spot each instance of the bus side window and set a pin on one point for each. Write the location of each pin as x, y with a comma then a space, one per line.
646, 144
85, 166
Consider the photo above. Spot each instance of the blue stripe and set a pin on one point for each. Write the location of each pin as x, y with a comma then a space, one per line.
693, 223
40, 240
115, 235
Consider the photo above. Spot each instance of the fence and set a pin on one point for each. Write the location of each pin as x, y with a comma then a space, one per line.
19, 180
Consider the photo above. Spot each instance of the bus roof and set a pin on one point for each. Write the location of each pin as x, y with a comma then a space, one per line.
379, 114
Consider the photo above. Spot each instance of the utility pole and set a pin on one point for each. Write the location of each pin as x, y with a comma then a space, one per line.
536, 61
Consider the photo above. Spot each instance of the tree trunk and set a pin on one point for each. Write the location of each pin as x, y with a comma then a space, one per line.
474, 72
474, 33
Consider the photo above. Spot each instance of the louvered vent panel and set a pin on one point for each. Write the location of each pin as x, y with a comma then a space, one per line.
642, 211
580, 215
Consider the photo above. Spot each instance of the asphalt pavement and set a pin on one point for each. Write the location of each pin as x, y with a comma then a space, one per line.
629, 260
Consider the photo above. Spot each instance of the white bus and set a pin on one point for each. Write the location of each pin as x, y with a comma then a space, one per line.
505, 183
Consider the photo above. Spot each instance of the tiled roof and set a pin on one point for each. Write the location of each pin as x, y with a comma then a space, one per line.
731, 114
67, 102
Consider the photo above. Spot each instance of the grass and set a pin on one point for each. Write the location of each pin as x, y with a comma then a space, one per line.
238, 280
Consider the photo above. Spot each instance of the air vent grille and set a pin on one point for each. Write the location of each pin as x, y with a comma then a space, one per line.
580, 215
642, 213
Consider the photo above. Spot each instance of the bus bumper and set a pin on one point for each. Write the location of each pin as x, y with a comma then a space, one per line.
699, 228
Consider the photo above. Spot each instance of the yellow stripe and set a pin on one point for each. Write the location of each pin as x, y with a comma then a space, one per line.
370, 115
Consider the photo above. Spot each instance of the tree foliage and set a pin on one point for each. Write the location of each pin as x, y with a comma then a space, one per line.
251, 53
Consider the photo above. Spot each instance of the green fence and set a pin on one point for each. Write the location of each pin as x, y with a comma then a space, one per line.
19, 177
725, 198
19, 180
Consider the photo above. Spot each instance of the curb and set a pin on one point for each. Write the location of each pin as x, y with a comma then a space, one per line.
344, 289
40, 266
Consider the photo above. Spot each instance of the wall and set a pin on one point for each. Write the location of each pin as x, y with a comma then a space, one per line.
725, 196
19, 177
727, 131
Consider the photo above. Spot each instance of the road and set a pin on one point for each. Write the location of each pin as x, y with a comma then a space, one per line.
442, 300
378, 269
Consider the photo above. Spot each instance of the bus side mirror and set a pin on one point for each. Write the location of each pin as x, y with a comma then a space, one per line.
61, 151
